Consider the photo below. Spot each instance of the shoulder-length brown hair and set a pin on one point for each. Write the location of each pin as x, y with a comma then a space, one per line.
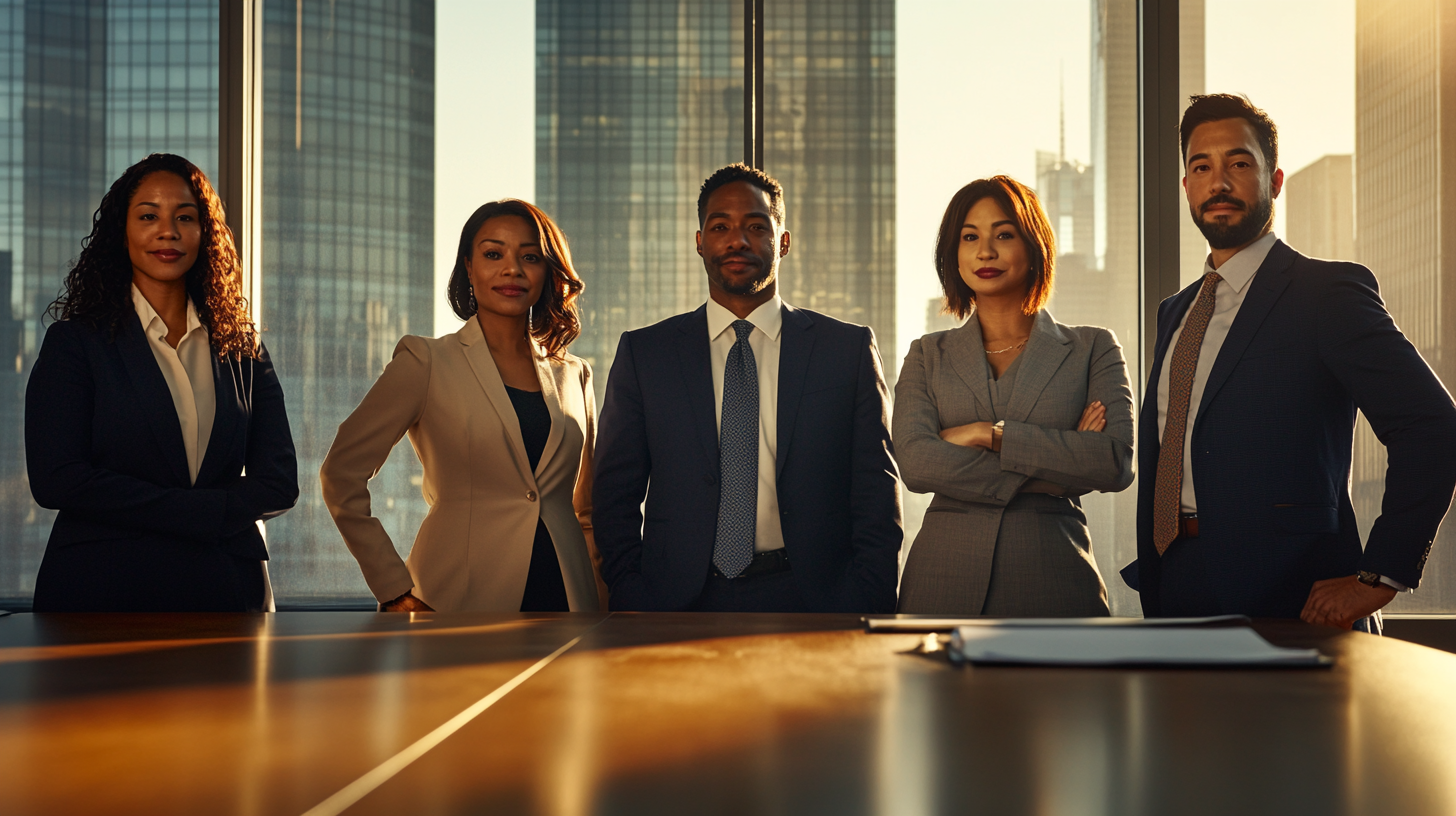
554, 318
1018, 201
97, 290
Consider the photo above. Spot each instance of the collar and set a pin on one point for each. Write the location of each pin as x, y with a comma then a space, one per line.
149, 315
1240, 269
767, 318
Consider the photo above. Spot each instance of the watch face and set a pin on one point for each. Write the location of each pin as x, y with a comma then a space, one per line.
1368, 578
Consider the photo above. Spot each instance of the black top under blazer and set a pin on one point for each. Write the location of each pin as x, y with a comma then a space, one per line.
104, 447
1271, 448
839, 500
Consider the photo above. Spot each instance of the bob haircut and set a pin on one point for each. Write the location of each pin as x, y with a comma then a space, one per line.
97, 290
1018, 201
554, 318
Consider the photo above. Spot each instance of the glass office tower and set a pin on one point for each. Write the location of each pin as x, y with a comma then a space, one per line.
88, 88
637, 101
347, 248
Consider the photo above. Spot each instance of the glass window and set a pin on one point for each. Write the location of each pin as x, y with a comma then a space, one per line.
79, 85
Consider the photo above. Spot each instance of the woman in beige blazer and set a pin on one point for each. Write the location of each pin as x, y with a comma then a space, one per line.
1007, 419
503, 420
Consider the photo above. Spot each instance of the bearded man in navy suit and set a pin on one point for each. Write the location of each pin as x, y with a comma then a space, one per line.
1248, 418
758, 434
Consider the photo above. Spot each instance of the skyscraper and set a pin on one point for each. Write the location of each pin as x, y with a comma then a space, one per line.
348, 246
1405, 76
639, 100
1319, 208
82, 102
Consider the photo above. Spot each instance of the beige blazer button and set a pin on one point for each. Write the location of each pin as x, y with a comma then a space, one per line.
530, 495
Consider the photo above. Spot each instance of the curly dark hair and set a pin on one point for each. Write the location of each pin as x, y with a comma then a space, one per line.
554, 318
739, 171
97, 290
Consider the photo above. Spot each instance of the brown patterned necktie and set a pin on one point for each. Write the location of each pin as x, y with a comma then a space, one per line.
1168, 489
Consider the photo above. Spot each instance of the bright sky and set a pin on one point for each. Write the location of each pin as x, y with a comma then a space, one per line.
976, 95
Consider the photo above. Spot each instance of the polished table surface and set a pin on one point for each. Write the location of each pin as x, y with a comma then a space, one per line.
348, 712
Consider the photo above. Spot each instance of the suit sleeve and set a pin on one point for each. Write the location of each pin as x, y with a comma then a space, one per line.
582, 497
270, 486
60, 403
623, 465
1082, 460
929, 464
1409, 410
393, 405
874, 501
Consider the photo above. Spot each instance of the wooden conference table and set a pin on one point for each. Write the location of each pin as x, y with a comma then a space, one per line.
317, 712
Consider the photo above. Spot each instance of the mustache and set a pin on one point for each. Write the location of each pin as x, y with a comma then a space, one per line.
1222, 198
738, 256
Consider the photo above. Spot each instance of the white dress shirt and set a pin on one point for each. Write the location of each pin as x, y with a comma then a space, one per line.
768, 321
188, 372
1236, 272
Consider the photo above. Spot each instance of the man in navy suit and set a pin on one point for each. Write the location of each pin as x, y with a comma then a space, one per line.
758, 434
1247, 421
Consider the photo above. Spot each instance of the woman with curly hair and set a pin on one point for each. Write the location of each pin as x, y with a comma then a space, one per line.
503, 420
153, 419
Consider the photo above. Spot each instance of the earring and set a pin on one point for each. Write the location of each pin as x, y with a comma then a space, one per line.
474, 307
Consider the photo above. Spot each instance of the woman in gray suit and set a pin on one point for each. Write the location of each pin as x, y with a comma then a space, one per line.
1007, 419
503, 420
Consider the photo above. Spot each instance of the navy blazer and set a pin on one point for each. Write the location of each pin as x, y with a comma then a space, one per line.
1272, 440
103, 445
838, 497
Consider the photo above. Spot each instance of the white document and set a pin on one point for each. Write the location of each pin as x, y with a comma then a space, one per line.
909, 624
1123, 646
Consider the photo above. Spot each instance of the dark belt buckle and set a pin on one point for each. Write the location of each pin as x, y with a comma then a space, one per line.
764, 563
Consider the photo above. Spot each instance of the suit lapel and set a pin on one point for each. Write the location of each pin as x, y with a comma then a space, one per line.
1264, 291
1045, 350
477, 353
969, 361
547, 371
796, 345
696, 370
153, 396
231, 400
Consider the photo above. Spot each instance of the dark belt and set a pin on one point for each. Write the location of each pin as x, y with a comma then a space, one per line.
1188, 525
764, 563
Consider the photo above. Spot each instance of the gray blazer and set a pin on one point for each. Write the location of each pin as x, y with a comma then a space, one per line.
979, 525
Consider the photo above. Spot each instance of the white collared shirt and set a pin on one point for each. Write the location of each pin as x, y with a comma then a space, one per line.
188, 372
1237, 272
768, 322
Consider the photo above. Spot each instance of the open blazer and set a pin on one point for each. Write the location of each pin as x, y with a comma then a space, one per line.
103, 445
474, 548
943, 385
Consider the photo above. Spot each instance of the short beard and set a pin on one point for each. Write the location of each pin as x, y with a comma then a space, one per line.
1228, 236
749, 287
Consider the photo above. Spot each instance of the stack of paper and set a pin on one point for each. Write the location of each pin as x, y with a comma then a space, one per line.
1005, 642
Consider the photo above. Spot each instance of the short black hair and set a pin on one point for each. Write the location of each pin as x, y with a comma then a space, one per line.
739, 171
1205, 108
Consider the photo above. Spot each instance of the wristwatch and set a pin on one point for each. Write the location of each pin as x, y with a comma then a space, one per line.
996, 435
1370, 579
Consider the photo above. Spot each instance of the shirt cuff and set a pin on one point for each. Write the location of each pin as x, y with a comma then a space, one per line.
1394, 584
